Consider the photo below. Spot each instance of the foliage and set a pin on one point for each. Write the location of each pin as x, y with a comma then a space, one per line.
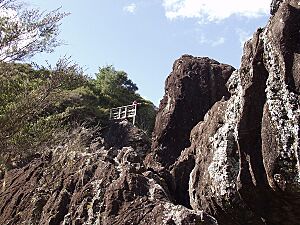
38, 105
25, 32
115, 86
119, 90
146, 114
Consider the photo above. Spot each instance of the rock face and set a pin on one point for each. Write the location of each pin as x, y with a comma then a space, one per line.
225, 149
274, 6
191, 89
90, 180
247, 148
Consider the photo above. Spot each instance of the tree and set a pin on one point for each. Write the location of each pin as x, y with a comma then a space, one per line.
116, 85
25, 32
32, 99
146, 115
120, 90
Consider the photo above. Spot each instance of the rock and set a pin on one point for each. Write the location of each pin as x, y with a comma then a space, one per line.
246, 169
225, 149
213, 184
180, 176
119, 135
281, 111
193, 86
274, 6
90, 179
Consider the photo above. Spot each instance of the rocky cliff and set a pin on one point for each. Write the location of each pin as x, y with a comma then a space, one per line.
225, 149
247, 148
93, 177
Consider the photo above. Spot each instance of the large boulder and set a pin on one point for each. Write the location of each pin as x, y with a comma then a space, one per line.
191, 89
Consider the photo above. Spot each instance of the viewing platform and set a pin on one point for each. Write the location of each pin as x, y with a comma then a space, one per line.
124, 112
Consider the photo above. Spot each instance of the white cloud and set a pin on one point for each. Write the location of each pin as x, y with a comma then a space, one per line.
131, 8
217, 42
243, 36
214, 10
204, 40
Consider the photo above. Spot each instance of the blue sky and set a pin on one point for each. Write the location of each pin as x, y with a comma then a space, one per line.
144, 37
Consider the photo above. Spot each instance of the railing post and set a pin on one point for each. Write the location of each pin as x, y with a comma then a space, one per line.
126, 111
133, 120
120, 110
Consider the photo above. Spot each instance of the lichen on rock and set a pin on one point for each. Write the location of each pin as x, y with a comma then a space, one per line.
284, 109
224, 167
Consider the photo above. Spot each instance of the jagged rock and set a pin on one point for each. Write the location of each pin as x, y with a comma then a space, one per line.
90, 179
180, 173
193, 86
123, 134
235, 158
247, 148
274, 6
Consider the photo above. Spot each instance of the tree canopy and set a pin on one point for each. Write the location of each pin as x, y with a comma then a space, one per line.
116, 85
25, 32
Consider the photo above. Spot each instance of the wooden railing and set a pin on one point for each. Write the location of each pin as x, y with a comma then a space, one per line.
124, 112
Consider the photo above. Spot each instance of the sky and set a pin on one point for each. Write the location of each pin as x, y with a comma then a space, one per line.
144, 37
